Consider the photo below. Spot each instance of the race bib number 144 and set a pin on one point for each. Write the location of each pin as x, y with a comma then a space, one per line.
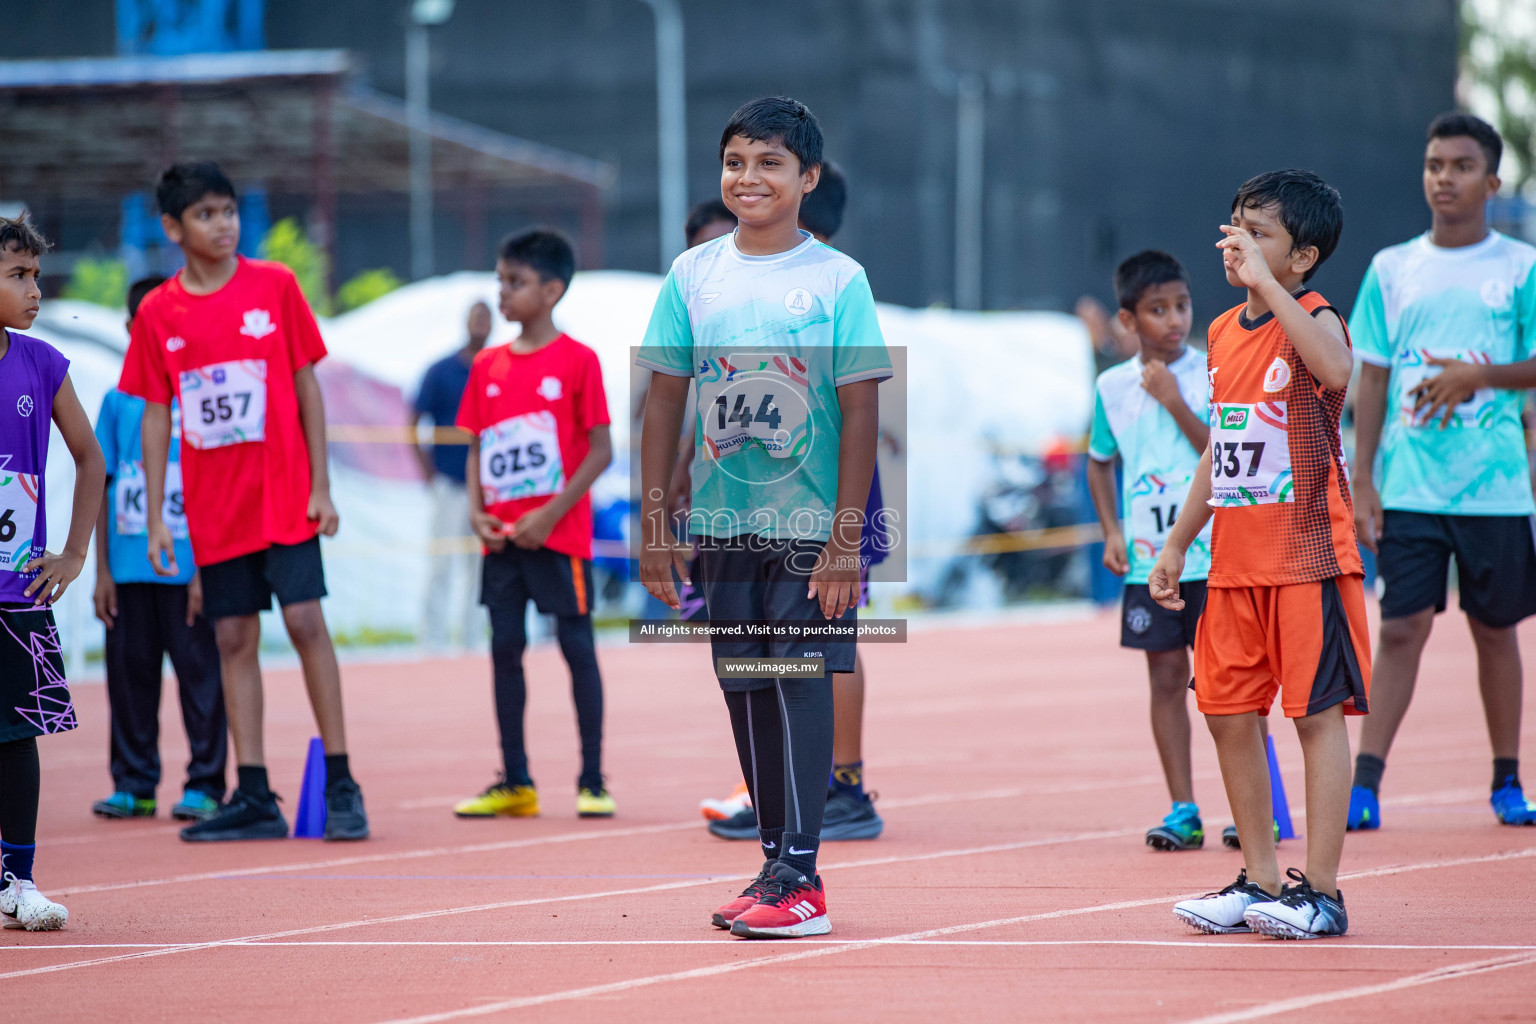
1250, 455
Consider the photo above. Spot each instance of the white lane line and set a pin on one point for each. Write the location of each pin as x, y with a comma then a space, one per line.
572, 837
376, 858
1450, 973
570, 898
934, 933
1246, 942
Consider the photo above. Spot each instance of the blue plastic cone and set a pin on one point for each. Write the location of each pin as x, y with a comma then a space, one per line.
1276, 793
309, 823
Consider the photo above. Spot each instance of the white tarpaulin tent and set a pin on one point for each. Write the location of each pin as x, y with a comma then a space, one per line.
976, 383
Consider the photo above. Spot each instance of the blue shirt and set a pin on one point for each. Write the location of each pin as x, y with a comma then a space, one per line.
118, 433
441, 389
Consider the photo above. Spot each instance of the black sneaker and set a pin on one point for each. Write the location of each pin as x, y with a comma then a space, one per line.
344, 814
741, 825
849, 817
244, 817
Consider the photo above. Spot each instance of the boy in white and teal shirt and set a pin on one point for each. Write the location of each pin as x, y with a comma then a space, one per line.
1151, 411
1445, 329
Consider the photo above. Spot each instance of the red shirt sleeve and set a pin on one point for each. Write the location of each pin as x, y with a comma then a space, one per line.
592, 403
144, 372
305, 346
471, 418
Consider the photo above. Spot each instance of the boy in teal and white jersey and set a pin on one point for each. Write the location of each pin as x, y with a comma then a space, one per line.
1151, 411
780, 332
1445, 329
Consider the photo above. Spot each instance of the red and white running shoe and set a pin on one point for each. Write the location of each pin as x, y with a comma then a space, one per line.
793, 907
759, 888
719, 810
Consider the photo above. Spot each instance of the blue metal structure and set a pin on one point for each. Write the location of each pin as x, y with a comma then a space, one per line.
172, 27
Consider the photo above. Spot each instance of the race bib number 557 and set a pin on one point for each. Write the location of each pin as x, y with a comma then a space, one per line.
1250, 455
224, 404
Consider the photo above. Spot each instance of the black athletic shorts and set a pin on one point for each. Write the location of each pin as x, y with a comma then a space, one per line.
34, 699
1495, 565
755, 580
557, 584
1146, 625
245, 585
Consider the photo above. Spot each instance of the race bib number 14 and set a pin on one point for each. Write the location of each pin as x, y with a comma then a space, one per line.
1250, 455
224, 404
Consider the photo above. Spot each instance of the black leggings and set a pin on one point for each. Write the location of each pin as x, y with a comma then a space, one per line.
509, 636
20, 782
784, 743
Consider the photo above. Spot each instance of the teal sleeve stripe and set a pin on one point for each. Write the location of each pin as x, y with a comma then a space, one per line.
1368, 322
668, 344
1101, 439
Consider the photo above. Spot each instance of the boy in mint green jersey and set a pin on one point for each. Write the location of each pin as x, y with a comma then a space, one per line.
1445, 329
1151, 412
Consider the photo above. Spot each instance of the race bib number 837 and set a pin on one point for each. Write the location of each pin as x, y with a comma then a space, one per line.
1250, 455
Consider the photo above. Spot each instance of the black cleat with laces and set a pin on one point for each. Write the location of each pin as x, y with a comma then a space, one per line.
246, 816
345, 818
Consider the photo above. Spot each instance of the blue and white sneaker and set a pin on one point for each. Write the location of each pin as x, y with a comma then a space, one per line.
1301, 912
1365, 809
1510, 805
1180, 830
1220, 913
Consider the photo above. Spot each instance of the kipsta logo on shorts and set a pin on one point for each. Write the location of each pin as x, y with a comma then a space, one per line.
1278, 376
798, 301
175, 344
1234, 419
258, 324
549, 389
24, 405
1138, 619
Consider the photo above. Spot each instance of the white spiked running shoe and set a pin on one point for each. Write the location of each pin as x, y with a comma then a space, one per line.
1220, 913
24, 907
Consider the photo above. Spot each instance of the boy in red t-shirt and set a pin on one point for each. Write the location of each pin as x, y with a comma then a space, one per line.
235, 342
539, 417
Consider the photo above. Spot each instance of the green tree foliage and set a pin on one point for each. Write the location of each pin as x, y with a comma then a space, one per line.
1498, 65
286, 243
104, 282
365, 287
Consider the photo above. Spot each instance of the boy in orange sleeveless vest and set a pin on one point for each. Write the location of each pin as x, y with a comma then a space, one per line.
1285, 611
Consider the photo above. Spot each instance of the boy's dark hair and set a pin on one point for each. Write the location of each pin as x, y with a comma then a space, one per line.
821, 210
184, 184
1146, 269
140, 288
21, 235
546, 250
1310, 209
1455, 124
777, 118
705, 214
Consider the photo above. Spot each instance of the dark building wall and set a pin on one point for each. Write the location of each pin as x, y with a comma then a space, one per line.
1111, 125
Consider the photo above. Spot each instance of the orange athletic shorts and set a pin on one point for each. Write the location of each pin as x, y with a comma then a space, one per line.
1307, 641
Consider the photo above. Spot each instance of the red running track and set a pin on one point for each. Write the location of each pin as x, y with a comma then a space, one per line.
1017, 775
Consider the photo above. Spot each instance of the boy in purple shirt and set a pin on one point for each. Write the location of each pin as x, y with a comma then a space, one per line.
34, 701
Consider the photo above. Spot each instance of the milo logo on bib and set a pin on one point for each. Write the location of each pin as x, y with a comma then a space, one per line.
1251, 455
